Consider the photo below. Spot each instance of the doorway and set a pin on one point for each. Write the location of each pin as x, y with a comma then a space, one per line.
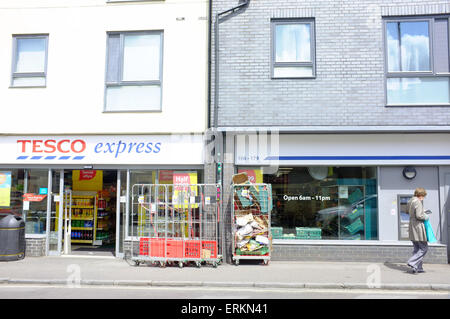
85, 212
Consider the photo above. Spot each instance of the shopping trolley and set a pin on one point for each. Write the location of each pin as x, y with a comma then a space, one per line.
175, 223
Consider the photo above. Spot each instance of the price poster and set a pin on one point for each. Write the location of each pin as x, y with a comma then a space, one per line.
5, 189
255, 176
181, 193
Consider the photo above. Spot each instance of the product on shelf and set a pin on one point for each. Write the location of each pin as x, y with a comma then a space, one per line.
90, 219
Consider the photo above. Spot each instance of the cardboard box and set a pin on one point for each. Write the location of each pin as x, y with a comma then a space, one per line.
240, 178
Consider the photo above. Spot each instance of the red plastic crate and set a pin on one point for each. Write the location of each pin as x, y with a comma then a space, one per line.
211, 245
143, 246
192, 248
174, 248
157, 247
152, 247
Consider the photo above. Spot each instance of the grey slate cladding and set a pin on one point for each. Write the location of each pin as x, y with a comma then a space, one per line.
349, 87
435, 255
35, 247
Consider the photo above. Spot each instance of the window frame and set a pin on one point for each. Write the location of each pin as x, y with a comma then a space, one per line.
432, 74
15, 52
121, 82
273, 64
113, 1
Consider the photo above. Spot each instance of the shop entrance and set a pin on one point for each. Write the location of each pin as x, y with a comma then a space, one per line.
85, 216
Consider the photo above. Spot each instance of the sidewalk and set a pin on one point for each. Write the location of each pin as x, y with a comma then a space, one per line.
324, 275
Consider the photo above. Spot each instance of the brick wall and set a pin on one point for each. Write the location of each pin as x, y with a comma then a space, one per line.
349, 86
35, 247
369, 253
322, 252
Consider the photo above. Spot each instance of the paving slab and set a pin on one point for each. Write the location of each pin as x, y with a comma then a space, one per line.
278, 274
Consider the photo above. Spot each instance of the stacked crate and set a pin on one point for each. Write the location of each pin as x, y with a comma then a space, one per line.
277, 232
308, 233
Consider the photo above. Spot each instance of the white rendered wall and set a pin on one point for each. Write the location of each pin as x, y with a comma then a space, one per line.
73, 101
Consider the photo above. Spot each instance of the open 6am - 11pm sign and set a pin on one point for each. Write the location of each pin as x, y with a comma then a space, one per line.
127, 149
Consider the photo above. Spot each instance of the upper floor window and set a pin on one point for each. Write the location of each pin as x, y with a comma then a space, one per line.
29, 65
293, 48
417, 61
134, 71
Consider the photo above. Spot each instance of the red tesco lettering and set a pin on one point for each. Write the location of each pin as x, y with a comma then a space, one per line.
51, 146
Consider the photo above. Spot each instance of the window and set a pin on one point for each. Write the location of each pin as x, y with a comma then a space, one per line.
321, 202
29, 67
134, 71
35, 209
11, 192
293, 49
417, 62
136, 219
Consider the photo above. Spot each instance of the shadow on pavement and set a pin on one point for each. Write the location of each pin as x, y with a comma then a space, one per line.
397, 266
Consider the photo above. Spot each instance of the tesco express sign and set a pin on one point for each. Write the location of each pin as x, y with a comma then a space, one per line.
79, 146
153, 149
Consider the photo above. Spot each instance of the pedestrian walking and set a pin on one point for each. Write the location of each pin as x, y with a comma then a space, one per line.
417, 233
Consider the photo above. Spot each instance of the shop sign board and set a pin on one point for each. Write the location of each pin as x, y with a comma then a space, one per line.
343, 149
31, 197
181, 192
103, 149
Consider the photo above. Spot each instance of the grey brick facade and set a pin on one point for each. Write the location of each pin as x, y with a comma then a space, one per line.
348, 89
363, 253
347, 92
35, 247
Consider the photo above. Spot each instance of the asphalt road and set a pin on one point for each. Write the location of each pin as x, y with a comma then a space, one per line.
107, 292
213, 303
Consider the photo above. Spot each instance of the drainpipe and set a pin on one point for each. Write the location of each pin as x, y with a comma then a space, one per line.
221, 16
218, 142
242, 4
209, 62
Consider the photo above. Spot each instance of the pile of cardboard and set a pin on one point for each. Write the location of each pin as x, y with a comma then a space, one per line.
251, 226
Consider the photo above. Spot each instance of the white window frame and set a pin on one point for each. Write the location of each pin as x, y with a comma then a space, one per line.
15, 52
413, 74
312, 64
120, 81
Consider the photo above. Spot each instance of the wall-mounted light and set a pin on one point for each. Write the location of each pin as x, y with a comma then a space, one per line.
409, 172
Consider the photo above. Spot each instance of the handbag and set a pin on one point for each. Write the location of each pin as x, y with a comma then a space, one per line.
429, 230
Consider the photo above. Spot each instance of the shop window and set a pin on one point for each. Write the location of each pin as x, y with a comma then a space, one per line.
11, 192
134, 71
417, 61
29, 67
293, 48
138, 223
335, 203
24, 193
35, 201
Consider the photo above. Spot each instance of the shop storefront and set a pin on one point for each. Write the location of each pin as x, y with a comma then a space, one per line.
337, 203
40, 175
342, 196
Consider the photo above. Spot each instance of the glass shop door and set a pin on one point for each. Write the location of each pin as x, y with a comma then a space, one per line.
54, 231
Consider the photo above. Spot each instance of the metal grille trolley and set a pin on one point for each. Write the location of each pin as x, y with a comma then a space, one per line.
252, 205
173, 223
